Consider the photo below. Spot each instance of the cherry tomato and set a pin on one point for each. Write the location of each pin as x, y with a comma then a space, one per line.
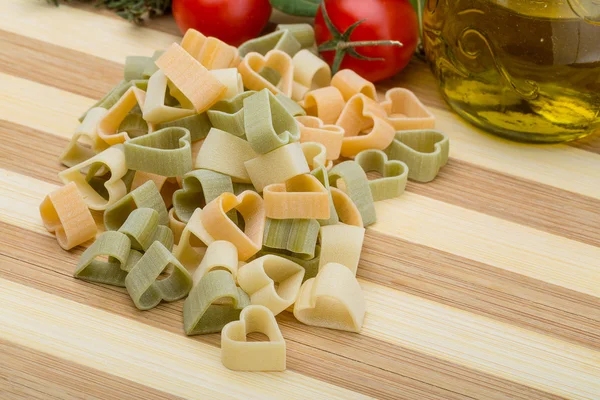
384, 20
232, 21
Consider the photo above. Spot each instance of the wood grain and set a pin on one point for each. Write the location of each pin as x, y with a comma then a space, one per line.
484, 284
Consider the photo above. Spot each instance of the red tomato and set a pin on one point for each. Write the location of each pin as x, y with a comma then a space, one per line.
385, 20
232, 21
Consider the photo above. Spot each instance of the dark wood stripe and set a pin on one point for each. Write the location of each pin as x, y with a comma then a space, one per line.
590, 143
56, 66
356, 362
410, 267
29, 374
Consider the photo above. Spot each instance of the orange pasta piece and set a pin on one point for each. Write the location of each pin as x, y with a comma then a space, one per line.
405, 111
312, 129
64, 213
351, 83
326, 103
254, 63
346, 209
108, 127
166, 186
360, 114
216, 222
211, 52
302, 196
192, 42
196, 83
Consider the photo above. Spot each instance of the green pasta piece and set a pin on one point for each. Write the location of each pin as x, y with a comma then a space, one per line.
282, 40
128, 179
295, 237
115, 94
164, 235
323, 176
143, 285
151, 67
200, 187
201, 316
141, 228
267, 123
93, 266
290, 105
199, 125
166, 152
304, 33
311, 267
425, 151
357, 187
134, 257
270, 75
394, 174
134, 125
135, 67
228, 115
145, 196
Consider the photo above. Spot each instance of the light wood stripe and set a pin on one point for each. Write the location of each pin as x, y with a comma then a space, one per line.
138, 352
28, 374
561, 166
401, 319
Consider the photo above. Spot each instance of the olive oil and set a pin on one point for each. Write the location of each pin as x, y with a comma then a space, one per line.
524, 69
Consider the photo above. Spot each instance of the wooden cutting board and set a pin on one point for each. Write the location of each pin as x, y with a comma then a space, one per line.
484, 284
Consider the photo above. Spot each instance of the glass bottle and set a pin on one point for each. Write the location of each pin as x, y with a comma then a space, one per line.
528, 70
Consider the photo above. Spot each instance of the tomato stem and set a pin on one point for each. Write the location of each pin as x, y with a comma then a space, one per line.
345, 45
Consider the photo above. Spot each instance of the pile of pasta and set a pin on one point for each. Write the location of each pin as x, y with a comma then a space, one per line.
237, 179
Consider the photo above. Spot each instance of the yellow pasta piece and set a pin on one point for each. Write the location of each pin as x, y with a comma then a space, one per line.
347, 211
271, 281
240, 355
108, 127
220, 254
198, 85
166, 186
216, 54
341, 244
289, 160
351, 83
302, 196
310, 72
218, 225
405, 111
227, 154
312, 129
85, 142
192, 42
361, 113
193, 242
155, 111
231, 78
65, 214
325, 103
176, 225
316, 155
111, 160
333, 299
277, 60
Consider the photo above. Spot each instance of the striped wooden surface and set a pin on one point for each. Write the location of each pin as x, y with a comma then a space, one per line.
484, 284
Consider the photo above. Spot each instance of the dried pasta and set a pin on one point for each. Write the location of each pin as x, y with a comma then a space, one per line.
135, 66
310, 72
142, 284
304, 33
202, 313
199, 125
176, 225
154, 110
345, 208
65, 214
271, 281
325, 103
227, 154
268, 125
341, 244
91, 267
315, 155
424, 151
165, 185
239, 355
394, 174
108, 126
111, 160
405, 111
312, 129
350, 83
276, 60
290, 162
141, 226
220, 227
193, 242
220, 255
323, 176
294, 237
145, 196
231, 78
302, 196
196, 83
333, 299
200, 187
85, 142
282, 40
290, 105
167, 152
228, 115
356, 186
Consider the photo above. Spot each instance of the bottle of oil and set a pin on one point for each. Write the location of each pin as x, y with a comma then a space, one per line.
528, 70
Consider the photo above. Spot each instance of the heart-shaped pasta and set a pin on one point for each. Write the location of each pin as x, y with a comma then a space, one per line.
92, 267
394, 174
108, 127
193, 242
316, 155
325, 103
350, 83
240, 355
405, 111
302, 196
341, 244
356, 185
253, 63
200, 187
310, 72
312, 129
